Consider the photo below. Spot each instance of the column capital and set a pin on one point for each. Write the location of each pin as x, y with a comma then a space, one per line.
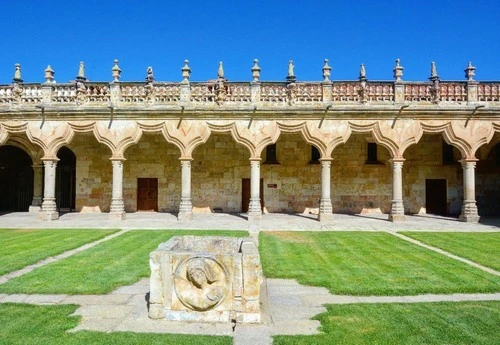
117, 159
255, 159
184, 158
50, 159
326, 159
469, 160
397, 160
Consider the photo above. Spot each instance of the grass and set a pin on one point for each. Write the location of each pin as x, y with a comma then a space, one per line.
23, 247
41, 325
367, 263
483, 248
455, 323
101, 269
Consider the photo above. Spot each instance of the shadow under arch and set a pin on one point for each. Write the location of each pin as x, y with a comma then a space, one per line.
66, 180
16, 179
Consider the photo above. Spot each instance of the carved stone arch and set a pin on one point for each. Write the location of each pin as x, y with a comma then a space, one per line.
374, 128
118, 137
27, 146
256, 135
186, 135
50, 136
326, 135
4, 134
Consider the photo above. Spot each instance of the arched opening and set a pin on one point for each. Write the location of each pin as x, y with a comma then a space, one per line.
16, 174
65, 180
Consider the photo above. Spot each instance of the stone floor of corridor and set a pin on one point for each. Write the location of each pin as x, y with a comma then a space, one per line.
234, 221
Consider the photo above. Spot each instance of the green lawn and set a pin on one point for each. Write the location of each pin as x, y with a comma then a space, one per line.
101, 269
456, 323
23, 247
483, 248
367, 263
41, 325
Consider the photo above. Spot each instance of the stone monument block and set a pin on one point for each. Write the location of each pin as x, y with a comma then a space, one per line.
206, 279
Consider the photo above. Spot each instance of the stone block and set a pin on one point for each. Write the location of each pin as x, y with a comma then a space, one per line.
206, 279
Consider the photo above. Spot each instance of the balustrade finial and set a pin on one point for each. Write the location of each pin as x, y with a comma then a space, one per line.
434, 74
220, 71
17, 74
49, 75
149, 75
326, 71
470, 72
116, 71
362, 72
186, 71
81, 72
291, 75
256, 70
398, 71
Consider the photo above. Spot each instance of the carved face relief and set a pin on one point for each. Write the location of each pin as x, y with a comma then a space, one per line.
200, 283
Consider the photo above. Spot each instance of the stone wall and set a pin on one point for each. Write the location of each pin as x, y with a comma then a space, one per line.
425, 161
153, 157
487, 178
217, 171
357, 186
94, 172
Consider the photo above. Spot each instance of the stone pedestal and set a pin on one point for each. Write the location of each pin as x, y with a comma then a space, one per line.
469, 209
325, 204
117, 208
397, 213
186, 205
206, 279
255, 208
49, 209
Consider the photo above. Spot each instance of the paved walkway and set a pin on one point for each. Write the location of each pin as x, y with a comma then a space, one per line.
287, 306
225, 221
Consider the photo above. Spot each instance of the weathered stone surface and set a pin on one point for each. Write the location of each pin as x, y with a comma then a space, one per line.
212, 279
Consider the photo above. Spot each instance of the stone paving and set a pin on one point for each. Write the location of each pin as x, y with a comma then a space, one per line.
287, 305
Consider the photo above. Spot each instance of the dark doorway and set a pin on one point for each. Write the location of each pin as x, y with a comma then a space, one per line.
436, 197
16, 179
245, 194
147, 194
66, 180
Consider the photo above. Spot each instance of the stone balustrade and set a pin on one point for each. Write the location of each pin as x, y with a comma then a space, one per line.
221, 92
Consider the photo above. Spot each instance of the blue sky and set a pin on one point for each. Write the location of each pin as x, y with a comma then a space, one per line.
162, 34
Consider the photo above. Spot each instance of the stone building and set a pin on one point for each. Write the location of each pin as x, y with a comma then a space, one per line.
325, 147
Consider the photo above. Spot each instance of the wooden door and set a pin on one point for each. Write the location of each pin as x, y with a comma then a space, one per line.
245, 194
435, 196
147, 194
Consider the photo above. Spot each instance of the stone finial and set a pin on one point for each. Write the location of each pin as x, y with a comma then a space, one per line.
398, 71
326, 71
49, 75
291, 75
186, 71
470, 72
17, 74
116, 71
434, 75
150, 77
220, 71
81, 72
362, 72
256, 70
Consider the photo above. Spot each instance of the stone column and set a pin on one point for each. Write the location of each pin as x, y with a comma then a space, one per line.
325, 203
37, 188
49, 208
254, 208
117, 208
397, 209
469, 208
186, 206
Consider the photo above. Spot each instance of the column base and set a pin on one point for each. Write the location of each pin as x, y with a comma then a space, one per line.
469, 212
185, 216
48, 215
117, 216
325, 217
34, 209
397, 217
254, 217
